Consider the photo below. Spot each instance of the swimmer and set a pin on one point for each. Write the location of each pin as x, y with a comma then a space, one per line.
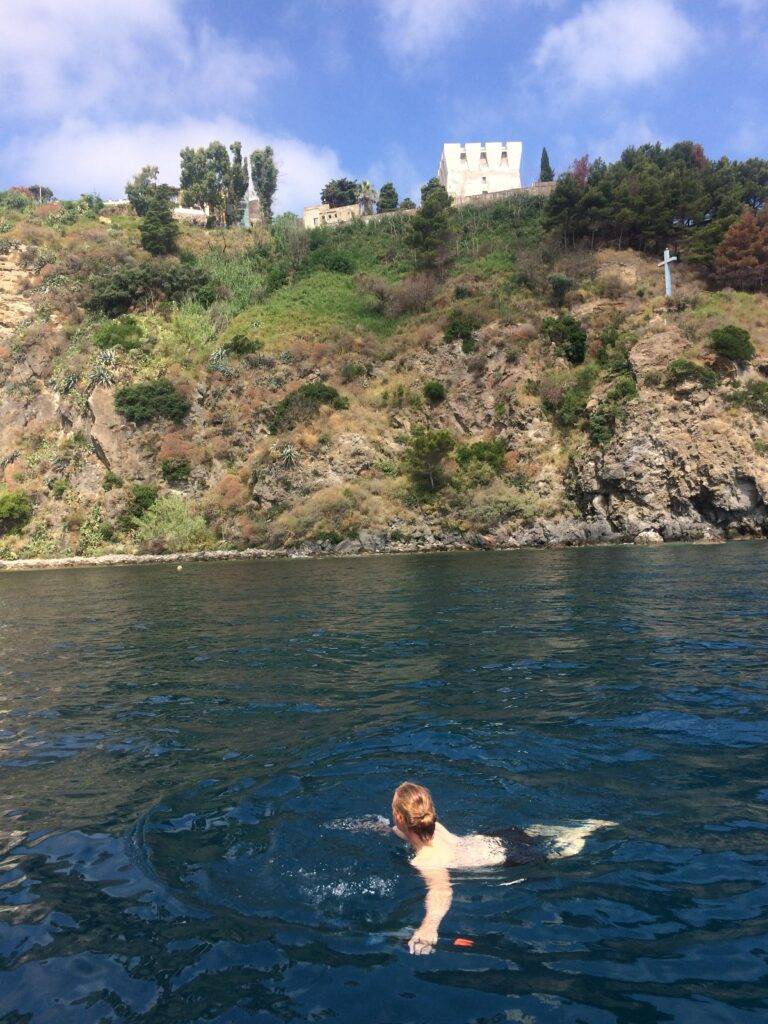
436, 851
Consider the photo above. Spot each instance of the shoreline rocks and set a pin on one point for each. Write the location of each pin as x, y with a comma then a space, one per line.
556, 535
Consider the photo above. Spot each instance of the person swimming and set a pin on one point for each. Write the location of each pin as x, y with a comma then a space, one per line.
437, 851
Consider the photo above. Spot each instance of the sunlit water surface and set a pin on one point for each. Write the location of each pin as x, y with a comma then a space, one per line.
177, 751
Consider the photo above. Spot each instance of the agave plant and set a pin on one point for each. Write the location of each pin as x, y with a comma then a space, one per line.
218, 362
101, 376
287, 456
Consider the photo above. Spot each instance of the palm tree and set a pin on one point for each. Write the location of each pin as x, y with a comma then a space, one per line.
367, 197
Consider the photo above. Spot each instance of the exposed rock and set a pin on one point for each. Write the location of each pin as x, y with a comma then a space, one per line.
649, 537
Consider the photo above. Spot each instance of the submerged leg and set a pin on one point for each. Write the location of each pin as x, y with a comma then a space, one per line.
567, 840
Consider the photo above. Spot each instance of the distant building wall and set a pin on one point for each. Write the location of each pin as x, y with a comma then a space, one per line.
329, 216
538, 188
480, 168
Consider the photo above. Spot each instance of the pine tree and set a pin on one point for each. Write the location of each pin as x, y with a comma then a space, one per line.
388, 198
264, 178
431, 227
546, 173
741, 258
159, 231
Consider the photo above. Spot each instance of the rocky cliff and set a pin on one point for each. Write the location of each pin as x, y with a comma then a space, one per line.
684, 459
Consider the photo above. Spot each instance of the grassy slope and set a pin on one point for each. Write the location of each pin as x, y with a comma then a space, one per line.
309, 308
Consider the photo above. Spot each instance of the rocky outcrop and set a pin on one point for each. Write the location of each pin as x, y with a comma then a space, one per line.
682, 468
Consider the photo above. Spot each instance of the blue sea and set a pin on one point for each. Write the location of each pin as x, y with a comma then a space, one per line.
184, 757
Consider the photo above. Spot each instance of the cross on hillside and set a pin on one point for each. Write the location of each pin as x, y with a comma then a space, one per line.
667, 264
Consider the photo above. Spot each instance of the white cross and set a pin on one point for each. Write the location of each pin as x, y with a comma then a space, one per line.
667, 264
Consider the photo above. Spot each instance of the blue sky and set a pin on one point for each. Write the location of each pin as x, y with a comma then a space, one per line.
91, 90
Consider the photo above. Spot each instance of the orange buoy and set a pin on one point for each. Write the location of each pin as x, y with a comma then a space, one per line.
463, 942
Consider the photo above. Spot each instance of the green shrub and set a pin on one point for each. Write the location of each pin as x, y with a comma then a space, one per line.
302, 405
120, 289
124, 333
489, 452
140, 498
461, 326
176, 470
425, 453
681, 370
330, 259
602, 422
58, 487
568, 337
753, 396
141, 403
170, 525
111, 480
351, 371
732, 343
241, 345
560, 284
434, 392
565, 398
15, 511
601, 428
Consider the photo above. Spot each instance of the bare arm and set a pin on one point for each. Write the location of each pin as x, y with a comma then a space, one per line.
437, 903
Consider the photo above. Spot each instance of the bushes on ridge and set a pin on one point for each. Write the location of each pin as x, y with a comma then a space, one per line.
124, 333
732, 343
490, 453
602, 422
176, 469
434, 392
122, 288
15, 511
141, 403
567, 335
680, 371
170, 525
461, 327
303, 405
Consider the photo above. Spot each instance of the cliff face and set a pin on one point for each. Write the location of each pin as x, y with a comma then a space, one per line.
684, 461
684, 464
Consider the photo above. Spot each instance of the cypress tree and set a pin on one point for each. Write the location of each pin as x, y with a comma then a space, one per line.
264, 177
159, 231
546, 173
388, 198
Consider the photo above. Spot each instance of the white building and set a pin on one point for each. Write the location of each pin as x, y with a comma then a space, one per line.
478, 168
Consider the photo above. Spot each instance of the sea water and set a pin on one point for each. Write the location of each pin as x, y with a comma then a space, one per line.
186, 758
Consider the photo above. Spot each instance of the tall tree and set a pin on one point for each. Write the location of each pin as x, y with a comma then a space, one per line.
159, 231
140, 188
264, 178
388, 198
41, 193
367, 196
741, 258
431, 227
545, 170
340, 192
209, 178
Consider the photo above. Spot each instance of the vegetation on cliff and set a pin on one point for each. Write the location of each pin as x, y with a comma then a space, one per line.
456, 375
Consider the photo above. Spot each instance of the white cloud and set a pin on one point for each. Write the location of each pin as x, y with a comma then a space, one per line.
611, 44
416, 28
84, 156
110, 56
624, 132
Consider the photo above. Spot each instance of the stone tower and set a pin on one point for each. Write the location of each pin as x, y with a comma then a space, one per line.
478, 168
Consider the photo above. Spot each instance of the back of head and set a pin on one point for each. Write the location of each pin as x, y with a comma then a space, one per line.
414, 805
